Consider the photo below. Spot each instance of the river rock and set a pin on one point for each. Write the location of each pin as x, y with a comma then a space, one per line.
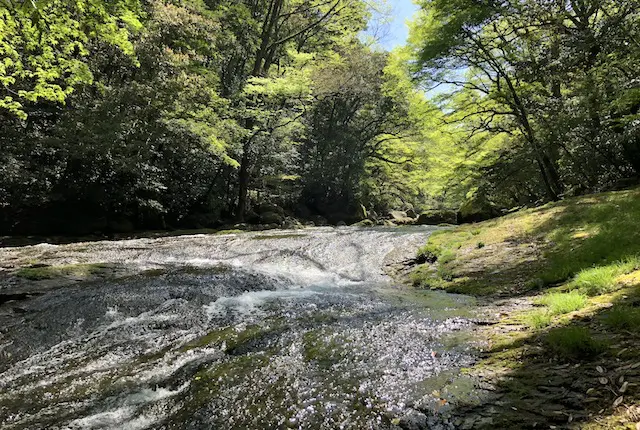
400, 217
292, 224
413, 421
364, 223
269, 208
477, 208
271, 218
319, 220
435, 217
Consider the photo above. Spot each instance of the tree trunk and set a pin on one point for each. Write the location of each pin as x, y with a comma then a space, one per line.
244, 177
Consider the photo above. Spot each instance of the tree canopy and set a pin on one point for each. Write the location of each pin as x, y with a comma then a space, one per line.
167, 114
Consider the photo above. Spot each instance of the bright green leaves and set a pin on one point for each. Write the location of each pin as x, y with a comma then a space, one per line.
44, 46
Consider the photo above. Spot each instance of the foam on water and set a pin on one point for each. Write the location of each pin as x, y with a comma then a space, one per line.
249, 304
267, 332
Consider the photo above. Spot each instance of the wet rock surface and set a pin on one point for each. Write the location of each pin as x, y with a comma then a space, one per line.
283, 329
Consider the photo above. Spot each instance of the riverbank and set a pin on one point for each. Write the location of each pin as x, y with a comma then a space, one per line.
561, 286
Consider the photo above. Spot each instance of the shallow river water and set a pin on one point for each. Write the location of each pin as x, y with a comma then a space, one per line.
282, 329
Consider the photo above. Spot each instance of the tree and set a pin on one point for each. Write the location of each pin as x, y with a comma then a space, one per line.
532, 71
45, 45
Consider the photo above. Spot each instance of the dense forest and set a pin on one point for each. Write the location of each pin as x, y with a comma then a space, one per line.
150, 114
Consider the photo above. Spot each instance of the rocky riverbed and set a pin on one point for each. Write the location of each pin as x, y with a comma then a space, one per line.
296, 329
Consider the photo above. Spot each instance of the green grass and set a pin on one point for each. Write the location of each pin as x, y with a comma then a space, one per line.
538, 319
574, 342
563, 303
592, 231
601, 280
586, 241
623, 318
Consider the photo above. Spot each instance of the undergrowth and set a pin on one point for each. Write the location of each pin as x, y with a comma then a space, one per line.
574, 342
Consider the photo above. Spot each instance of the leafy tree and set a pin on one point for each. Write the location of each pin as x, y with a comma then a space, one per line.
44, 46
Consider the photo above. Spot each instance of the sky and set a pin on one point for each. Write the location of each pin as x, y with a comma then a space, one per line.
397, 32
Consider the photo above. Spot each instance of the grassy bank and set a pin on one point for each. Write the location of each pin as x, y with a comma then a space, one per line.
568, 355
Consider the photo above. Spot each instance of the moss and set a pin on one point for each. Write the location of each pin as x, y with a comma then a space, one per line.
223, 232
428, 253
70, 270
322, 349
232, 338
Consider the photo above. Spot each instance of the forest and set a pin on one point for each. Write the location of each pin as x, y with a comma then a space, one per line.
135, 115
171, 173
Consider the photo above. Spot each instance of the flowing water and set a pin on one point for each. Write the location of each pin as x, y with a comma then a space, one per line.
274, 330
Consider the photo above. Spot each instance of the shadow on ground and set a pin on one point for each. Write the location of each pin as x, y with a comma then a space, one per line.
582, 368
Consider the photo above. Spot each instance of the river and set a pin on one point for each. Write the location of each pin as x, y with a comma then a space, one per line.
281, 329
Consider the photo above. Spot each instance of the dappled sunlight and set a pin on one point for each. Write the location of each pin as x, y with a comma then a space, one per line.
567, 355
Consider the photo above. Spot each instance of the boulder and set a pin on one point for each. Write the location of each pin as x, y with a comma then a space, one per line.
319, 220
268, 208
435, 217
271, 218
292, 224
412, 214
364, 223
400, 218
477, 208
301, 210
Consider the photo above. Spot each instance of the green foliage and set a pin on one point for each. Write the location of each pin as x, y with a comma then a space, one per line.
538, 319
45, 45
429, 253
516, 121
601, 280
563, 303
574, 342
